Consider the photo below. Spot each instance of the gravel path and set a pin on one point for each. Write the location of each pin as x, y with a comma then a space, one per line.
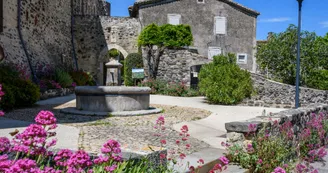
132, 132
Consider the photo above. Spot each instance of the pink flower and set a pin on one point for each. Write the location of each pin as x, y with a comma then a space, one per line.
177, 142
100, 160
279, 170
184, 129
163, 142
259, 161
188, 146
79, 160
73, 84
224, 160
201, 161
182, 156
2, 113
111, 147
45, 118
111, 168
62, 157
162, 156
160, 120
252, 127
4, 145
24, 165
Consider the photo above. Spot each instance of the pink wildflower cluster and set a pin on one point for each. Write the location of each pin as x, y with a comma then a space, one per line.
32, 154
1, 94
219, 167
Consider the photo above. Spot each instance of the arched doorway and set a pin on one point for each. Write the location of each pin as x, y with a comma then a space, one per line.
111, 51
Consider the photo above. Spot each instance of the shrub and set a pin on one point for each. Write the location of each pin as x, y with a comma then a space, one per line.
80, 77
19, 91
26, 93
223, 82
63, 78
133, 60
318, 79
171, 89
7, 101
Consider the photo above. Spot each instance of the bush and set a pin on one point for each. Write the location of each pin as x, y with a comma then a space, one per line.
19, 92
82, 78
8, 100
318, 79
63, 78
133, 60
223, 82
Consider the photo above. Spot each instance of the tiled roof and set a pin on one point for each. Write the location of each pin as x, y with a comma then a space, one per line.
230, 2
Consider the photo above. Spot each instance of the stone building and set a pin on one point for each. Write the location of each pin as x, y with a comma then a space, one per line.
218, 26
79, 33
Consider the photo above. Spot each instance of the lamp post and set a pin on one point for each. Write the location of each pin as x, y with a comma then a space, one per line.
297, 94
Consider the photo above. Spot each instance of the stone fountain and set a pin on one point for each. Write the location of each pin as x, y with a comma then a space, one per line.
113, 99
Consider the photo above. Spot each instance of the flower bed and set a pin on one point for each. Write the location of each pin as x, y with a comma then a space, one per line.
50, 93
288, 141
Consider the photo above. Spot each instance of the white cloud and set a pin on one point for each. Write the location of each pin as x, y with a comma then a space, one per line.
324, 24
275, 20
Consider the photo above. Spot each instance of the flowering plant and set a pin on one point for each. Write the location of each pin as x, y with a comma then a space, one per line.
1, 94
278, 148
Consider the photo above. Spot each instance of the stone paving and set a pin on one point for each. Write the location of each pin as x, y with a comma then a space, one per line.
132, 132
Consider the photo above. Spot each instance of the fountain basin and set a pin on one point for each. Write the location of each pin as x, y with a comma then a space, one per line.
112, 98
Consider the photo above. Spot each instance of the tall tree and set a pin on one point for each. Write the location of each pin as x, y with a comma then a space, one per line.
155, 39
278, 55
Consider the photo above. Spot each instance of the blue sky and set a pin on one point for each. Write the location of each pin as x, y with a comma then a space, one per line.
275, 16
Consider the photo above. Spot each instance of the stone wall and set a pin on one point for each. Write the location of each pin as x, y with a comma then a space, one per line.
274, 94
91, 7
175, 65
96, 35
237, 131
241, 26
45, 29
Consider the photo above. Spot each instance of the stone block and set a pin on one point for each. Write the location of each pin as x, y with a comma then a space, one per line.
241, 127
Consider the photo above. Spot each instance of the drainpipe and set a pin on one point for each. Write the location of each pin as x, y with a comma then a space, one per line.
72, 36
19, 27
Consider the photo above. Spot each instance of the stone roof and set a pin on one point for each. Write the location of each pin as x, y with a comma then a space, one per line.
230, 2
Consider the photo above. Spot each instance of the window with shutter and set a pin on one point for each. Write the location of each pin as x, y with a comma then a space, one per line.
213, 51
220, 25
174, 19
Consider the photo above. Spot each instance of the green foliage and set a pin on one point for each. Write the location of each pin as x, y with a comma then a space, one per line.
113, 53
18, 92
166, 35
278, 56
63, 78
8, 100
133, 60
172, 89
223, 82
318, 79
162, 37
80, 77
26, 93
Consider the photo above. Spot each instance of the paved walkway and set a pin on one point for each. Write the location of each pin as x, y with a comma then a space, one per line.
211, 129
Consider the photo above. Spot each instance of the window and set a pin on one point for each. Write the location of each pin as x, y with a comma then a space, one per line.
220, 25
200, 1
213, 51
242, 58
174, 19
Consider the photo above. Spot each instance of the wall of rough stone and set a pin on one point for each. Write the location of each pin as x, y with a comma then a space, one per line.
274, 94
241, 27
237, 131
45, 27
96, 35
91, 7
175, 65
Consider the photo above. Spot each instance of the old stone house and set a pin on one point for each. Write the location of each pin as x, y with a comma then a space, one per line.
218, 26
81, 32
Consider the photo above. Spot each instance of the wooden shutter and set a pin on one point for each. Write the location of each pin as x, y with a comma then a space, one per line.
220, 25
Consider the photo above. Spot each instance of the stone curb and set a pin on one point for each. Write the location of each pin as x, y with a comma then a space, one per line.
74, 111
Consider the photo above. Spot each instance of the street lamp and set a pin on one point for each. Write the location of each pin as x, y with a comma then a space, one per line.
297, 94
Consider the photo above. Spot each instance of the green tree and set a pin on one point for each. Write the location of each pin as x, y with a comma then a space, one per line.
155, 39
278, 55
